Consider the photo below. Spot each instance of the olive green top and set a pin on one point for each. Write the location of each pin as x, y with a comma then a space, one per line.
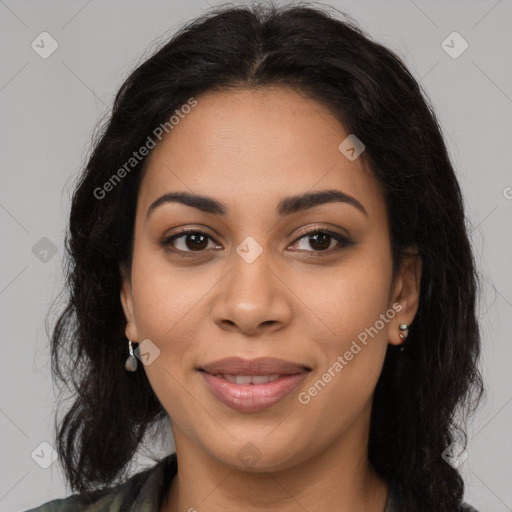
144, 492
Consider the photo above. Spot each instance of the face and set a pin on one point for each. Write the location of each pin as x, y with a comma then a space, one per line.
249, 281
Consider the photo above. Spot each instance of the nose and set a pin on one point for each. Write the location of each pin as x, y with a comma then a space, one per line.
254, 299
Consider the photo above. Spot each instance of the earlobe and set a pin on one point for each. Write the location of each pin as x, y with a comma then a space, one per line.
406, 292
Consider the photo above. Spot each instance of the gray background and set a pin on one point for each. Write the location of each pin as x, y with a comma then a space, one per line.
49, 108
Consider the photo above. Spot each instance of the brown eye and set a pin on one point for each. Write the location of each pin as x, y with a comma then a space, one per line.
189, 241
193, 240
320, 240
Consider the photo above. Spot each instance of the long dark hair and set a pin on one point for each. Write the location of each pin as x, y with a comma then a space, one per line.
423, 393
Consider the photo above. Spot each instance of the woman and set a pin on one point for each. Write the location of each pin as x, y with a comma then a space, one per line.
268, 247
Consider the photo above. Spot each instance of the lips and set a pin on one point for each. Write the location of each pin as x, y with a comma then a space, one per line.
250, 385
259, 366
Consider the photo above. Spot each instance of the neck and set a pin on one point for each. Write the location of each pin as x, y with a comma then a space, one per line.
338, 478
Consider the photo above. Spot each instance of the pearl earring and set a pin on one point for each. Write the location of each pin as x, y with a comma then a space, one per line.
404, 328
131, 360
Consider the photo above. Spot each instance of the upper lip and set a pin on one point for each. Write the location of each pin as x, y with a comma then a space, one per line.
258, 366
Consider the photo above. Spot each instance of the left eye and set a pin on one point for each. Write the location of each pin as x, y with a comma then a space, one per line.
196, 241
321, 239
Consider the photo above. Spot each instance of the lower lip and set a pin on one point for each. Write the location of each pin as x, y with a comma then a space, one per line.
252, 397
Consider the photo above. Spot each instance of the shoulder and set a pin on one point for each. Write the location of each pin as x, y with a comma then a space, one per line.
140, 492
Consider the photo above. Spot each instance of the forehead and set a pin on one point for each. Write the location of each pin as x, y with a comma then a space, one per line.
249, 148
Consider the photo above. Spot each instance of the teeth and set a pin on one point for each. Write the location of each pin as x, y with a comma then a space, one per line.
250, 379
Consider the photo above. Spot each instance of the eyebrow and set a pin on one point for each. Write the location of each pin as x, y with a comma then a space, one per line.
286, 206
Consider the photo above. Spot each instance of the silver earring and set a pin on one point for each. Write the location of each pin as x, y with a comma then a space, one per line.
131, 360
404, 332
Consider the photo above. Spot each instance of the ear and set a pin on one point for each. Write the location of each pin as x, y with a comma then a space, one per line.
405, 293
127, 303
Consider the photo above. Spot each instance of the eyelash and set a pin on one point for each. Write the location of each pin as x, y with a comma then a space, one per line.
344, 241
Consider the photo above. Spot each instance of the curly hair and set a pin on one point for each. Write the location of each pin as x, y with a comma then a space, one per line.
422, 390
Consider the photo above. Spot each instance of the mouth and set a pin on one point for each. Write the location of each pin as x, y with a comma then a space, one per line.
250, 385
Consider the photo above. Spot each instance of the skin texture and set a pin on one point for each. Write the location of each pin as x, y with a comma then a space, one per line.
297, 301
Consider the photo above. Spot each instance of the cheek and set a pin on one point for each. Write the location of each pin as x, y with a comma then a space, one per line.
352, 354
354, 305
167, 306
167, 298
352, 296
